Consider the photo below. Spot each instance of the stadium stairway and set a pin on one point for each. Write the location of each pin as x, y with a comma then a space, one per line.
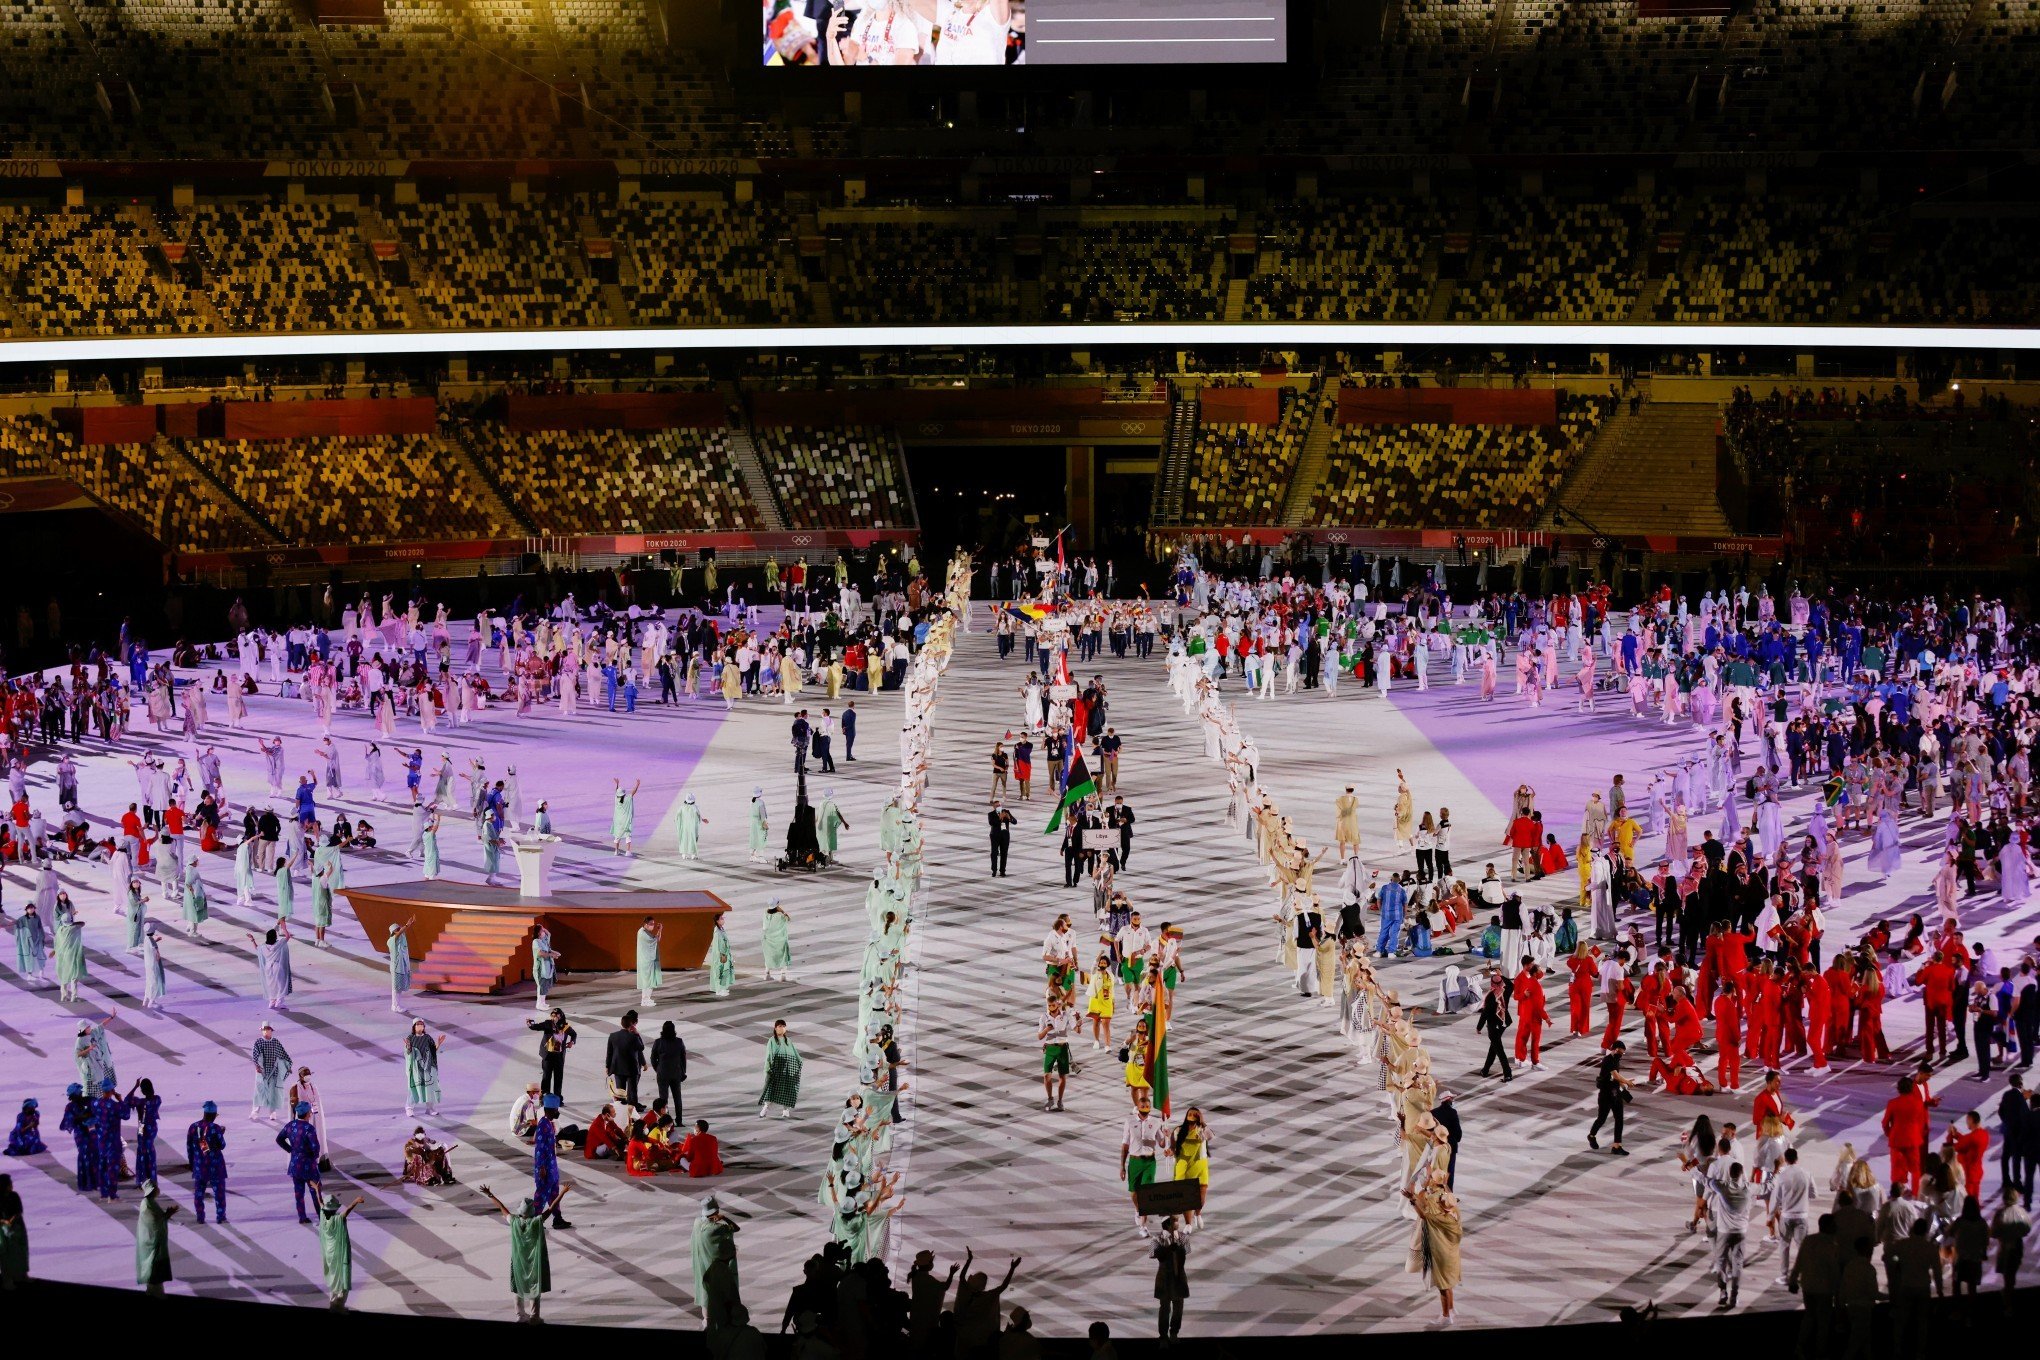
482, 475
371, 226
773, 519
220, 491
1649, 472
1174, 475
1310, 465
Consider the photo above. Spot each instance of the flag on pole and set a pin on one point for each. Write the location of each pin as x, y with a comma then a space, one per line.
1076, 788
1157, 1065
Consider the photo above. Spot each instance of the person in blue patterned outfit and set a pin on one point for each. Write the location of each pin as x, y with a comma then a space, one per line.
109, 1149
147, 1108
301, 1141
545, 1159
205, 1143
77, 1122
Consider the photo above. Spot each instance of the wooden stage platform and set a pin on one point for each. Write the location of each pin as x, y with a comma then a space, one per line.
476, 940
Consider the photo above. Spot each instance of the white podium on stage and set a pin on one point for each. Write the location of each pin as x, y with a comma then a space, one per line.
534, 864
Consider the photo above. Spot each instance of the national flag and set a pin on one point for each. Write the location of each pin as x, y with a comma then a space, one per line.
1157, 1065
1033, 613
1077, 787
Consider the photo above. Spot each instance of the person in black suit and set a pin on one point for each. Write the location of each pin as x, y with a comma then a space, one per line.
803, 732
625, 1059
669, 1065
850, 730
1494, 1022
1002, 822
1120, 817
556, 1036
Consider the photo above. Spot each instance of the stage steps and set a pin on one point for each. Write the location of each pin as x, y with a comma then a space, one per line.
477, 955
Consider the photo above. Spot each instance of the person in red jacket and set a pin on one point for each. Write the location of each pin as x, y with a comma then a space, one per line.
1728, 1038
1905, 1129
1522, 842
1654, 999
1532, 1015
1967, 1146
1936, 981
1620, 993
1585, 964
1816, 989
700, 1152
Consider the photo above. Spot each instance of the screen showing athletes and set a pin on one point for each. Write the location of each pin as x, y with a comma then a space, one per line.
1019, 32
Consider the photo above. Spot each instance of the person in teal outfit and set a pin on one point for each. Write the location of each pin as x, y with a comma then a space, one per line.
336, 1248
778, 943
829, 822
31, 945
649, 973
134, 911
691, 822
722, 966
197, 906
286, 890
152, 1241
328, 876
430, 836
400, 963
759, 824
70, 952
530, 1263
623, 821
545, 962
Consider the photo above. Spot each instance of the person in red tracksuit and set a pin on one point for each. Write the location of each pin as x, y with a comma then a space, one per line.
1905, 1129
1620, 993
1585, 964
1654, 998
1728, 1037
1532, 1015
1816, 989
1937, 994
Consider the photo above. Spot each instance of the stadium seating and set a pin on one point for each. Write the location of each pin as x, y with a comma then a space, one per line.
146, 483
1240, 473
691, 263
1139, 270
356, 489
1782, 260
482, 263
91, 271
617, 481
1343, 261
899, 270
274, 267
1451, 476
845, 478
1558, 261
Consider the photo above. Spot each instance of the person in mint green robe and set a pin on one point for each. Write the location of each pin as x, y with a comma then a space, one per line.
722, 965
830, 821
649, 973
152, 1241
530, 1263
691, 822
778, 943
336, 1249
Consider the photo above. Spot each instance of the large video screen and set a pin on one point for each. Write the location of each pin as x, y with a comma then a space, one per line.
1024, 32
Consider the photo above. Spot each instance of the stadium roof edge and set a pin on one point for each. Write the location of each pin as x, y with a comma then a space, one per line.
1084, 336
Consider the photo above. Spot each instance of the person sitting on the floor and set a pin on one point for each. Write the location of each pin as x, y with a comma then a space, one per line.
425, 1162
701, 1154
606, 1137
